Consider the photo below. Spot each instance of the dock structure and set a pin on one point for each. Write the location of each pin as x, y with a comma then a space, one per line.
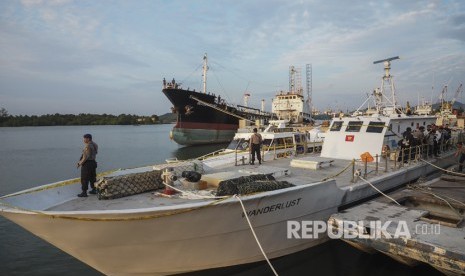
424, 223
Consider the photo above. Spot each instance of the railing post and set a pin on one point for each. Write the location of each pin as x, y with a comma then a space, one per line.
402, 156
274, 154
366, 168
409, 155
353, 170
395, 159
376, 163
386, 165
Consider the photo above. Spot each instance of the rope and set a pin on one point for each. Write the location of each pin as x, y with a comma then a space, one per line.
368, 182
221, 110
437, 167
58, 184
423, 190
255, 236
339, 173
112, 219
196, 195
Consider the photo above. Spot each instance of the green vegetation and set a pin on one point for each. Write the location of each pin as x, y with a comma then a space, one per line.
7, 120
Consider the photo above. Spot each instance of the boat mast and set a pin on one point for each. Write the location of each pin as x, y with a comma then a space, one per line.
204, 74
391, 105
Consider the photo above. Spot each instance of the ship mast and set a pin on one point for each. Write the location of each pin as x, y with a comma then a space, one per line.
204, 74
390, 105
309, 88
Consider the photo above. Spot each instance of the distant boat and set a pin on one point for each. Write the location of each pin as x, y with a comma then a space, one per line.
204, 118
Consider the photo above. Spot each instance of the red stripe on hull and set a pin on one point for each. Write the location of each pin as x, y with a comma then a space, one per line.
190, 125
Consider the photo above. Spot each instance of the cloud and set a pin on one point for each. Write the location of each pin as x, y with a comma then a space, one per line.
131, 46
35, 3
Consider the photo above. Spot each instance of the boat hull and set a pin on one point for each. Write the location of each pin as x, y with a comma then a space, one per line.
163, 242
195, 236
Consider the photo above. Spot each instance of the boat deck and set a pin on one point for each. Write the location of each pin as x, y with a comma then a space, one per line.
281, 169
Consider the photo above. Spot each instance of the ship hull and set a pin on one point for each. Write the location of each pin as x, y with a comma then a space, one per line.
202, 133
197, 123
165, 241
195, 236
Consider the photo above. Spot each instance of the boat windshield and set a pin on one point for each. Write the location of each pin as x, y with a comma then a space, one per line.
240, 144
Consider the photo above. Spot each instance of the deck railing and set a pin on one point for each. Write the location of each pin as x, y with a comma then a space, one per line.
404, 157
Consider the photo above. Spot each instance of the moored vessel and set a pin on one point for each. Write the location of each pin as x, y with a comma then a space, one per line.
206, 118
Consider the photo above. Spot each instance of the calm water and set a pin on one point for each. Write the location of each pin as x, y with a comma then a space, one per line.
33, 156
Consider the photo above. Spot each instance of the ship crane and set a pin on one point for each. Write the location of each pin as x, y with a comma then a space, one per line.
447, 106
457, 92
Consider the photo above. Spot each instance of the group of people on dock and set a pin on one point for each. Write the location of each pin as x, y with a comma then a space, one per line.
430, 138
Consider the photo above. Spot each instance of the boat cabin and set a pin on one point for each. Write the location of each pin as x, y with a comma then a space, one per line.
349, 137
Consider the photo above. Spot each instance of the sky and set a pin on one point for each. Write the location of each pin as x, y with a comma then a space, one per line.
79, 56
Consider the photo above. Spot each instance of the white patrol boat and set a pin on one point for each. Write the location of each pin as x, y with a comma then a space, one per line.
279, 139
236, 213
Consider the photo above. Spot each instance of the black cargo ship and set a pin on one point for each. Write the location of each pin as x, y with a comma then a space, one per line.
204, 118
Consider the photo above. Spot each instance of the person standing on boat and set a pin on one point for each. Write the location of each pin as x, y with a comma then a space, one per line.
255, 143
461, 153
436, 140
88, 166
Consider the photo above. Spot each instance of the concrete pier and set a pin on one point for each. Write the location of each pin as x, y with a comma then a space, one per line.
427, 226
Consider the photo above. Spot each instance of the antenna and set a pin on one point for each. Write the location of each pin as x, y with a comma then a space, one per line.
204, 74
309, 88
295, 80
388, 60
388, 82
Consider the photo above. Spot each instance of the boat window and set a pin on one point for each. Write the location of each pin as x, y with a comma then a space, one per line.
297, 138
266, 142
289, 141
240, 144
354, 126
375, 127
279, 142
336, 126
